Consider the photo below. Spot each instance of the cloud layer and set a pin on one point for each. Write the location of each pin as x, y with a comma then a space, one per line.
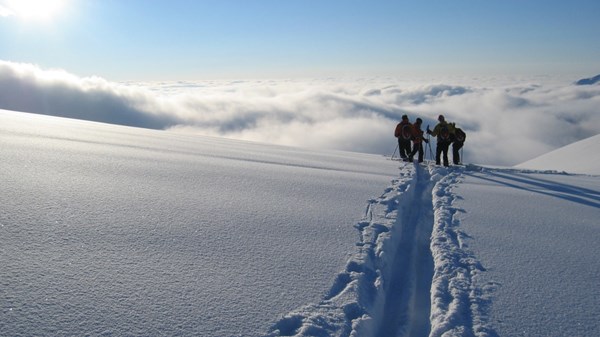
506, 123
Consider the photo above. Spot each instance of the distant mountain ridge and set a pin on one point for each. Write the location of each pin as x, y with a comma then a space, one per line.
588, 81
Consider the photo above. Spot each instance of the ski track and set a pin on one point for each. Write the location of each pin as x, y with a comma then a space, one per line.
459, 304
406, 277
412, 274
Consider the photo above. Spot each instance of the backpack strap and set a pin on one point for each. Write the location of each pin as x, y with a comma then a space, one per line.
406, 132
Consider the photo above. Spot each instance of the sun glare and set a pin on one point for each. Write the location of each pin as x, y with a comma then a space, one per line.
35, 9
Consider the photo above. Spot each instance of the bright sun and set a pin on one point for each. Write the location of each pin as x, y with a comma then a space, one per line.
35, 9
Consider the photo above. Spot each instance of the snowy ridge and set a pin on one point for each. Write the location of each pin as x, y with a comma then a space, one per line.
580, 157
412, 275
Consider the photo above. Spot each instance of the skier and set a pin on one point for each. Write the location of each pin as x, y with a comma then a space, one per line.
445, 135
404, 133
459, 141
417, 138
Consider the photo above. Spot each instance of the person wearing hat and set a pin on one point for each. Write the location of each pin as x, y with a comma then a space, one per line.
445, 134
417, 140
404, 134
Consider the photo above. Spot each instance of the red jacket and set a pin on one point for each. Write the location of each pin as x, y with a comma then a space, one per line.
417, 134
406, 127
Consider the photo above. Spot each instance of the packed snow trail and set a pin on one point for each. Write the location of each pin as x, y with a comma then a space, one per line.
407, 284
412, 274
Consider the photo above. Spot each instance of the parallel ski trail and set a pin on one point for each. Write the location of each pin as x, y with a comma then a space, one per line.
407, 283
412, 274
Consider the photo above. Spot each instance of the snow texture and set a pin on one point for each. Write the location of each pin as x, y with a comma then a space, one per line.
537, 235
580, 157
411, 275
110, 231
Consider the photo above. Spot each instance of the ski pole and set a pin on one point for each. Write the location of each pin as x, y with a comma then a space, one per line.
393, 154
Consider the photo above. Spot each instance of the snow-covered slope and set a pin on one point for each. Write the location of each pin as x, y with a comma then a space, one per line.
468, 252
580, 157
108, 230
536, 235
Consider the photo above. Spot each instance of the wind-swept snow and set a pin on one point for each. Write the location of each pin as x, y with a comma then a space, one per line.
579, 157
108, 230
537, 236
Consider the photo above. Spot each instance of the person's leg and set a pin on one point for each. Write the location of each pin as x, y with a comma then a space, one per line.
401, 149
456, 146
414, 150
445, 153
403, 152
455, 153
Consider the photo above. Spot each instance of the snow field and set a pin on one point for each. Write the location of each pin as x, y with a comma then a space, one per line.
580, 157
537, 235
107, 230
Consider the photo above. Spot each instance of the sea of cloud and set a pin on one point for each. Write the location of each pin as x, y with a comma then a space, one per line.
508, 120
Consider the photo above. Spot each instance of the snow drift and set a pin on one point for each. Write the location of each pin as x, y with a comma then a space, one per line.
580, 157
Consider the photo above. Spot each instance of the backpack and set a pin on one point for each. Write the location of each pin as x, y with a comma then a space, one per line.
403, 131
460, 135
406, 132
444, 133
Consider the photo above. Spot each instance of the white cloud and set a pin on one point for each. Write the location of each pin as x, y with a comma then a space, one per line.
4, 11
506, 124
25, 87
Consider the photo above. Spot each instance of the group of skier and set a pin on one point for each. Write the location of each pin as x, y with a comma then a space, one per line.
446, 133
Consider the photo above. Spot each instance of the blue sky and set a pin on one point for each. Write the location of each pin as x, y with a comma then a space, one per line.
205, 39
